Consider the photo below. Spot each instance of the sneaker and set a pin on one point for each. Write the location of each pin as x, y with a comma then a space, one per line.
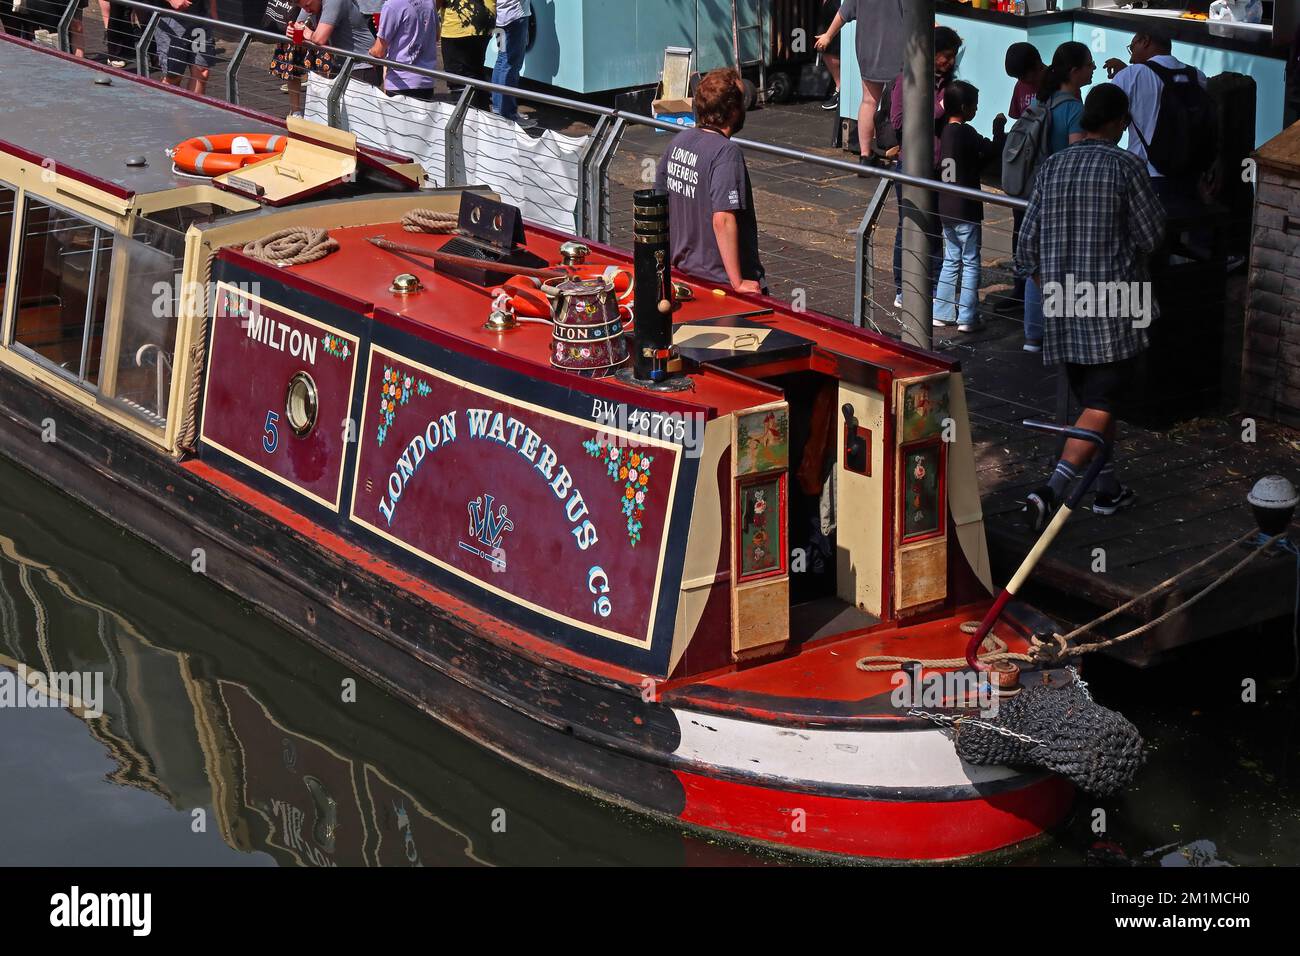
970, 326
1040, 505
1032, 345
833, 103
1109, 504
898, 300
117, 64
942, 323
525, 122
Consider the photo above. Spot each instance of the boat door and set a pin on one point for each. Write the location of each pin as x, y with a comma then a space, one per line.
861, 497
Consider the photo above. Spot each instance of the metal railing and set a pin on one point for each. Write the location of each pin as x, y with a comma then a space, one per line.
603, 208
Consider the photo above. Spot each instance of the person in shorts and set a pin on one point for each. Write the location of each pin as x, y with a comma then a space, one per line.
1093, 218
185, 49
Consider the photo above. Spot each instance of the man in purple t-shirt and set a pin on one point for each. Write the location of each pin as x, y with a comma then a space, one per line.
710, 202
408, 33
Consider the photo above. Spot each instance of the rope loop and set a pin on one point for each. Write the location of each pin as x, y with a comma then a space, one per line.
429, 220
292, 247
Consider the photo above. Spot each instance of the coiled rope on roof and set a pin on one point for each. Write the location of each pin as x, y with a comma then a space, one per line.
292, 247
429, 220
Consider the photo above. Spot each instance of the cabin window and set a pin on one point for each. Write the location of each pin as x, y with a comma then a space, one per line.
62, 289
146, 287
8, 200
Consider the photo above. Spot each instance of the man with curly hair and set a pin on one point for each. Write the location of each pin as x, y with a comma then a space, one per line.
710, 200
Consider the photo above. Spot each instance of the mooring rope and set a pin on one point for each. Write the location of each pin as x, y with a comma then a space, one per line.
292, 247
891, 662
429, 220
1059, 647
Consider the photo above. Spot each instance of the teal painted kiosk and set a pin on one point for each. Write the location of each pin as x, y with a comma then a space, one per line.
1257, 51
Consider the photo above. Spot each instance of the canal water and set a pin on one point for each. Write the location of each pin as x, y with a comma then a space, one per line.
224, 740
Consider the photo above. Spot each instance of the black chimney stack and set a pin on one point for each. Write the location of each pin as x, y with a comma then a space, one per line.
652, 338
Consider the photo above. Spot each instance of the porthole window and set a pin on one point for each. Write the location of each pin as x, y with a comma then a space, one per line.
301, 404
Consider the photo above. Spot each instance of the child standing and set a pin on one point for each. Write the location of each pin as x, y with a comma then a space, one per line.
963, 154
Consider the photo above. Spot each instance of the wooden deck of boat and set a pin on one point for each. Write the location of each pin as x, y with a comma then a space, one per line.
1191, 482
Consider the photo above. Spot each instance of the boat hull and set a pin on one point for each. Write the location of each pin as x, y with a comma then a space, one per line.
788, 784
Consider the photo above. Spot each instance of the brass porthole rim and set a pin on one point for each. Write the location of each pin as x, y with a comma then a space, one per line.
311, 404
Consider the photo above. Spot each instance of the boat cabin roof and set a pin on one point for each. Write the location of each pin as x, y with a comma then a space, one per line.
88, 120
71, 117
360, 274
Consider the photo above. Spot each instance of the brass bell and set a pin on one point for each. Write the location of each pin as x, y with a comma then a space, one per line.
574, 253
406, 284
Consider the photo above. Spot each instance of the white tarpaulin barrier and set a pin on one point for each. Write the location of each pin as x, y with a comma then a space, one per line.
539, 174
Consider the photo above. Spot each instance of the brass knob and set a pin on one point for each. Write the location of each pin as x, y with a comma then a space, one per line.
574, 253
406, 284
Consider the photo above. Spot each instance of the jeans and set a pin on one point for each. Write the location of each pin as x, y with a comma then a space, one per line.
513, 39
1033, 312
961, 262
936, 248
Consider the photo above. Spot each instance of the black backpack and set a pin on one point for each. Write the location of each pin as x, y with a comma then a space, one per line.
1185, 140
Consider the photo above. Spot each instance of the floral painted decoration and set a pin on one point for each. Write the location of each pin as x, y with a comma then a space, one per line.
632, 468
335, 345
395, 392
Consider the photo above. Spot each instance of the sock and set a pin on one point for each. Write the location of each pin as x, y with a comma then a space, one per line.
1062, 475
1107, 483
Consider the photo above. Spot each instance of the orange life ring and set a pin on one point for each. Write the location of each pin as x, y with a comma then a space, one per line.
211, 156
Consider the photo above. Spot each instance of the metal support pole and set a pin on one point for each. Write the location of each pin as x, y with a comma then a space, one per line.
453, 140
601, 171
334, 103
583, 218
864, 279
232, 69
142, 46
917, 208
65, 25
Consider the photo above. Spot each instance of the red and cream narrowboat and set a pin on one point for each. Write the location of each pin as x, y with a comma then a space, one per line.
643, 561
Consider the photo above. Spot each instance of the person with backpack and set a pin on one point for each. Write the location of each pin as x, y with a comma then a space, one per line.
1048, 127
1024, 64
1174, 128
1093, 219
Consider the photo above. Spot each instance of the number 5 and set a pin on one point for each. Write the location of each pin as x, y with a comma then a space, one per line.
271, 434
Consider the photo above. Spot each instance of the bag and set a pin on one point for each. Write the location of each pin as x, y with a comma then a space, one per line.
1026, 147
1185, 140
279, 14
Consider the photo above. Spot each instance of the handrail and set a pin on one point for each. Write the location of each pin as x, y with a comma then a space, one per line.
770, 149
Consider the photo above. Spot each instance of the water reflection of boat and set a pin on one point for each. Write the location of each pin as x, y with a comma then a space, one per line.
238, 725
655, 597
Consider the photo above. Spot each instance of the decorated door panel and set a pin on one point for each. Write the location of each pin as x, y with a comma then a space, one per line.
925, 428
760, 593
